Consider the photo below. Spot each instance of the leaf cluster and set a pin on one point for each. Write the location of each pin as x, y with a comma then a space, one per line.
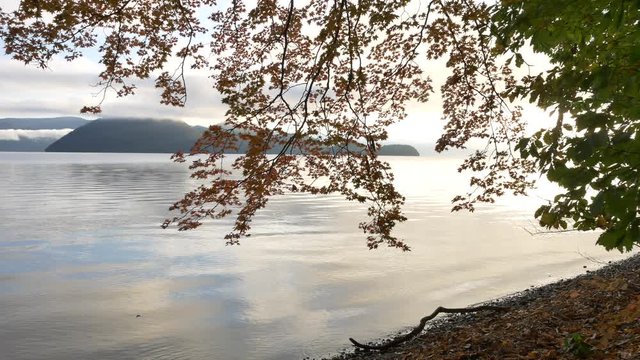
593, 151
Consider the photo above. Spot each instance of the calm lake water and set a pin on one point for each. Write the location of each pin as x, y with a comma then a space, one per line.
82, 254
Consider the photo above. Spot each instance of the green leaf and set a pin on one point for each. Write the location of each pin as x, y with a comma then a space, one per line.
591, 120
597, 205
547, 219
541, 210
612, 239
519, 60
522, 143
620, 203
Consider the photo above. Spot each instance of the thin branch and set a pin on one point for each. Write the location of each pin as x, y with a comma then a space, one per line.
423, 322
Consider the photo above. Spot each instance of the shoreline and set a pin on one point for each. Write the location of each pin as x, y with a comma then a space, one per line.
597, 312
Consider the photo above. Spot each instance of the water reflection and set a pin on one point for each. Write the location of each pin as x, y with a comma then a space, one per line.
82, 254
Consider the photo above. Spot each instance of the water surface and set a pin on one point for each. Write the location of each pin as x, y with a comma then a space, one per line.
82, 254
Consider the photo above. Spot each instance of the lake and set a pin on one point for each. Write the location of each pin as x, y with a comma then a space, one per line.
82, 255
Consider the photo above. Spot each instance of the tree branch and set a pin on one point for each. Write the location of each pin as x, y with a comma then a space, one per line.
423, 322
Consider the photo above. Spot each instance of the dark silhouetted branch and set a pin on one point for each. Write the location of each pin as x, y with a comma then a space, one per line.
423, 322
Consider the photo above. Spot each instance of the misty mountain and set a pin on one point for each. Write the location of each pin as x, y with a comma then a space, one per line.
26, 144
129, 136
154, 136
35, 134
67, 122
118, 135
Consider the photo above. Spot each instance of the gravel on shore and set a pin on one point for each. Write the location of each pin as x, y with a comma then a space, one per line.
595, 316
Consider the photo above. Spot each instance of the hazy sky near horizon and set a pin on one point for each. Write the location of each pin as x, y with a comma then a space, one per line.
64, 88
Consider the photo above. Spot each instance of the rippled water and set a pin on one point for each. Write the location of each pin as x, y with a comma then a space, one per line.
82, 254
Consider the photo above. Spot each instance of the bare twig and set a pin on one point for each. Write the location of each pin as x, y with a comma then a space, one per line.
423, 322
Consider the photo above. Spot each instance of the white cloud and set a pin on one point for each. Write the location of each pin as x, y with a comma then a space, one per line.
17, 134
65, 88
9, 5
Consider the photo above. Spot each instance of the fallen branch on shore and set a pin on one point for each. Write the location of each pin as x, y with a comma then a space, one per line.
423, 322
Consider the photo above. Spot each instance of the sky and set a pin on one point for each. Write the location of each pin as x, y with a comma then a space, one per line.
64, 88
61, 90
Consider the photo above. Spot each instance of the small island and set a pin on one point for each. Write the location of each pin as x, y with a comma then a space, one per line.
398, 150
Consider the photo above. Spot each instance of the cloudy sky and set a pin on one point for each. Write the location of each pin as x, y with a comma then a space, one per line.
64, 88
61, 90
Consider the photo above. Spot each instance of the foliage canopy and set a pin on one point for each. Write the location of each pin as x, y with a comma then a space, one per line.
593, 151
314, 75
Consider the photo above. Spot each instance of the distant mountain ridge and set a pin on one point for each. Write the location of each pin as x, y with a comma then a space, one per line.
35, 134
64, 122
121, 135
26, 144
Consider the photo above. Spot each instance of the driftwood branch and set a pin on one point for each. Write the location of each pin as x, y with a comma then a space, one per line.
423, 322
